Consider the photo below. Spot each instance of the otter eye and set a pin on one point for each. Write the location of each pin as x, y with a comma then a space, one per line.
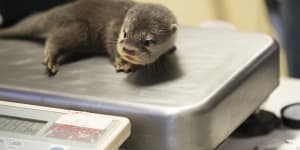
148, 43
124, 34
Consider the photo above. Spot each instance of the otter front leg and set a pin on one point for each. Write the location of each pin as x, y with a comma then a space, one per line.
61, 41
123, 66
51, 54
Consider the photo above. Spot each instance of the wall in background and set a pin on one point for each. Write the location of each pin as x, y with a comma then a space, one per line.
246, 15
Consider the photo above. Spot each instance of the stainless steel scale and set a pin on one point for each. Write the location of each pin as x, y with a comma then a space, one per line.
200, 94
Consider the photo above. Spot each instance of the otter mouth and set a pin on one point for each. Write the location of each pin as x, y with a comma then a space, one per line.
131, 59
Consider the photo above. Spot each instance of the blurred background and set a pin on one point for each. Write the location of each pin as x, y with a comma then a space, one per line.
245, 15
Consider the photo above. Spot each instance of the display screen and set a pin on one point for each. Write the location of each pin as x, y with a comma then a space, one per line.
20, 125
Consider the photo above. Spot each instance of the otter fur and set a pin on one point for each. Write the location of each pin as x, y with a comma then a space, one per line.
132, 34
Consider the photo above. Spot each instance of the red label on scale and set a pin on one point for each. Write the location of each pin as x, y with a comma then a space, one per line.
74, 133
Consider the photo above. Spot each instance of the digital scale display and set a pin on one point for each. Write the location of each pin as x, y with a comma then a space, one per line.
20, 125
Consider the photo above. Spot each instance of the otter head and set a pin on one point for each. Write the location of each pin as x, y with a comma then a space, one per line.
148, 31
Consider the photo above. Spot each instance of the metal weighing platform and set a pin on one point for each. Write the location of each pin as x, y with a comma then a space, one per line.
200, 94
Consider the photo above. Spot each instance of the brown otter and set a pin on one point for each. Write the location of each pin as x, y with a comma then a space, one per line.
133, 34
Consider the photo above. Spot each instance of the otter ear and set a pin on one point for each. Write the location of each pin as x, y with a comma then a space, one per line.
173, 28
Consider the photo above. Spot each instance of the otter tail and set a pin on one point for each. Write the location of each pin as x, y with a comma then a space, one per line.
33, 25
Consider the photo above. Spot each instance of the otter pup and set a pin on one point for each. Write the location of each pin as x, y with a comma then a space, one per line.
133, 34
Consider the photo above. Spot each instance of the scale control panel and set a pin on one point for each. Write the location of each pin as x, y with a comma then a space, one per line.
28, 127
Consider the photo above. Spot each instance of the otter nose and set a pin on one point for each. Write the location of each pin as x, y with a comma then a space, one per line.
129, 51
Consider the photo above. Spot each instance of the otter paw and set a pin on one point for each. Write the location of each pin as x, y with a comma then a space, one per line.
124, 66
51, 66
